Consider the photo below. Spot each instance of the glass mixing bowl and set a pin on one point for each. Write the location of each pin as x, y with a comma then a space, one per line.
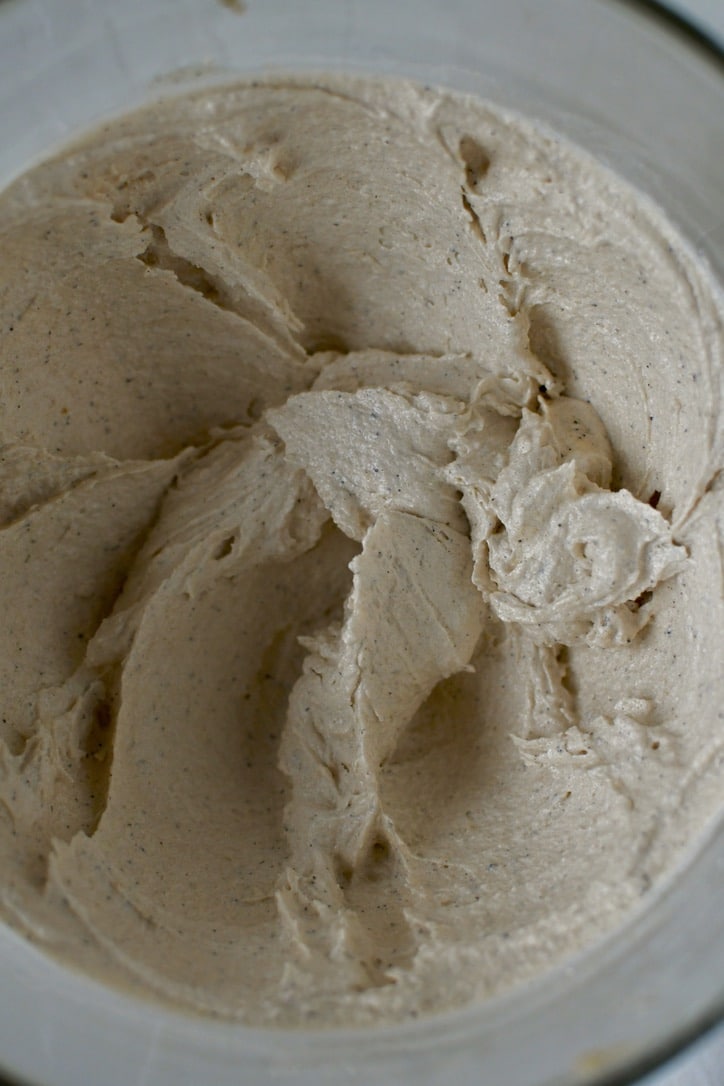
648, 100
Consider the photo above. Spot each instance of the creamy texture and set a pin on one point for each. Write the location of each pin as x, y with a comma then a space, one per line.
360, 548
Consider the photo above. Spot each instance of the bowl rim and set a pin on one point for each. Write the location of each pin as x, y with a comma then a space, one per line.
698, 39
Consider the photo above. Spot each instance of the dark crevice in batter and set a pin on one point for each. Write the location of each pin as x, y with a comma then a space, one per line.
476, 159
475, 223
158, 254
237, 299
566, 678
98, 758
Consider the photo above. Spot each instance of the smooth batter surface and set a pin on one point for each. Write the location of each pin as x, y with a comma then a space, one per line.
360, 556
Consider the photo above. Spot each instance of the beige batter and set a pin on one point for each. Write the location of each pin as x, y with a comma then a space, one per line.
360, 556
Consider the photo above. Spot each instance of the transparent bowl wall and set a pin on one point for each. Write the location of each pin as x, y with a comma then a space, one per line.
649, 101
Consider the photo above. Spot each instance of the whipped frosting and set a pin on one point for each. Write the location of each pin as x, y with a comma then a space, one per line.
361, 537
